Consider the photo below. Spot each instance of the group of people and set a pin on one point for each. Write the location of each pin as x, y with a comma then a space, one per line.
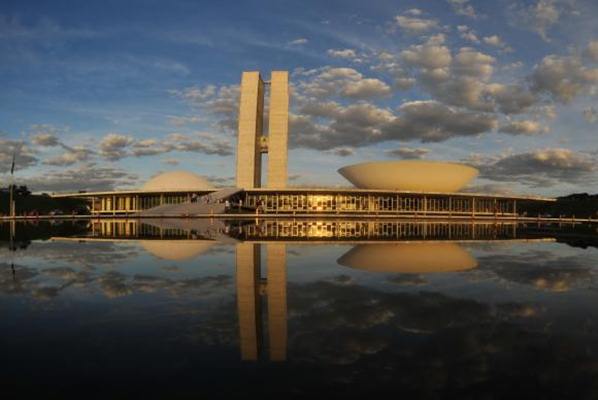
208, 199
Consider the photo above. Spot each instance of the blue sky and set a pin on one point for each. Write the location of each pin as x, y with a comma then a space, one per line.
107, 94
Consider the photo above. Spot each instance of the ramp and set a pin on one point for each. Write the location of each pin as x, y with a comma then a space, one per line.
211, 203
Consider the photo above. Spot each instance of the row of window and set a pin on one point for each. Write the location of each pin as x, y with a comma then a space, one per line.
377, 203
376, 230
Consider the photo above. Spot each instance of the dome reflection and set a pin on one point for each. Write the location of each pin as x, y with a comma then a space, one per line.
409, 257
176, 250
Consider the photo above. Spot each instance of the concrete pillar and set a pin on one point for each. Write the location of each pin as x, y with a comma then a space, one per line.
248, 299
276, 257
251, 109
278, 132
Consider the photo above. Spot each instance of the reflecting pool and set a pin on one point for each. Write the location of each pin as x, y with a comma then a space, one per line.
184, 308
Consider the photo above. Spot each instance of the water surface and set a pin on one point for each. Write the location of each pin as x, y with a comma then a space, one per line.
181, 309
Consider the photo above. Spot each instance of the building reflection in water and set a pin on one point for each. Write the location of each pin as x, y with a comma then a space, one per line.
380, 246
251, 287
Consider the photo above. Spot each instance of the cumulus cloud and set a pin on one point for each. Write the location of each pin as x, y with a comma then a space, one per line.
353, 125
45, 139
429, 56
344, 53
200, 142
524, 127
71, 156
86, 177
542, 15
415, 25
564, 77
471, 63
408, 153
45, 135
431, 121
510, 99
333, 125
464, 79
344, 82
343, 151
539, 168
496, 41
392, 65
468, 34
462, 7
113, 146
220, 104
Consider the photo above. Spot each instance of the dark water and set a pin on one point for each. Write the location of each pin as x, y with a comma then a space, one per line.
185, 309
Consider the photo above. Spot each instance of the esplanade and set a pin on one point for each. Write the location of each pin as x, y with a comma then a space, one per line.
381, 188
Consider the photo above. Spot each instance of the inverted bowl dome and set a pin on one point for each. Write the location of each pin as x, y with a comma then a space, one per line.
176, 181
409, 257
176, 250
417, 176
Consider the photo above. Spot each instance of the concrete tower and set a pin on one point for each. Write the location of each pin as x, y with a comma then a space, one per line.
251, 116
251, 142
278, 132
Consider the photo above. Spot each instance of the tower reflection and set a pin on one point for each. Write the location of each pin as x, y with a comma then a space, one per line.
251, 287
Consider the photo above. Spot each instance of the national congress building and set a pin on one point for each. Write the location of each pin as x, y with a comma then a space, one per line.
384, 188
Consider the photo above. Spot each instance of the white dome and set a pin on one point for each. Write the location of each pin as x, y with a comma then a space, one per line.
177, 181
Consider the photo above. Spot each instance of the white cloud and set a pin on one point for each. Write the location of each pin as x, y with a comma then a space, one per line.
219, 104
342, 53
496, 41
71, 156
431, 121
298, 42
462, 7
542, 15
427, 56
45, 139
343, 151
85, 177
416, 25
468, 34
113, 146
523, 127
345, 82
540, 168
564, 77
408, 153
366, 88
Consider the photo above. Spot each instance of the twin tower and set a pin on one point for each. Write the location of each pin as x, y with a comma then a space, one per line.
252, 142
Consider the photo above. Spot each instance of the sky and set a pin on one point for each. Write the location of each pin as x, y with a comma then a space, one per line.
106, 94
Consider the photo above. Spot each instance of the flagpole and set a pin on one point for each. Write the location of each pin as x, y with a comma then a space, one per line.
11, 202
